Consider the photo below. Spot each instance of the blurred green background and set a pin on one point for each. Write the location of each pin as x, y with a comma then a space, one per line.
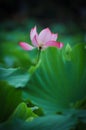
65, 17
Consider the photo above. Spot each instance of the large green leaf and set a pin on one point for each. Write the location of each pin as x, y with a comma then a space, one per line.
9, 99
71, 121
14, 76
60, 81
53, 122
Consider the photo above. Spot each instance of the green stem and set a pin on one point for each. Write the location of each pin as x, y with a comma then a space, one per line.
38, 56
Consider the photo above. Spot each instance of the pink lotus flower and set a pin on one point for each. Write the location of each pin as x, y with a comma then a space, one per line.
45, 39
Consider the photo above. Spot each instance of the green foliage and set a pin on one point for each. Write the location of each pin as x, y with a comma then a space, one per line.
9, 99
80, 104
59, 82
49, 93
51, 122
23, 112
13, 56
14, 76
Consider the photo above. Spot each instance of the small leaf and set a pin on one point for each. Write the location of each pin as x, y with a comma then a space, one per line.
23, 112
67, 52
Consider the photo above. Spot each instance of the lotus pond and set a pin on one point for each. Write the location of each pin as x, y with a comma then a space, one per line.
44, 94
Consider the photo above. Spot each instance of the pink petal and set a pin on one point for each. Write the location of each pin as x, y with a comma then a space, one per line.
33, 33
44, 36
26, 46
54, 44
34, 41
54, 37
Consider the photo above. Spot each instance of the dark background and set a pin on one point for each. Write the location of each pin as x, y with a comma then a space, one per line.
45, 11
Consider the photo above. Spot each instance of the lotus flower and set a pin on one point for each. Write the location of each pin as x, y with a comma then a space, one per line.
45, 39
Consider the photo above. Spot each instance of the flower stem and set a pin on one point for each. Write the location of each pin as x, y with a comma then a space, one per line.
38, 56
